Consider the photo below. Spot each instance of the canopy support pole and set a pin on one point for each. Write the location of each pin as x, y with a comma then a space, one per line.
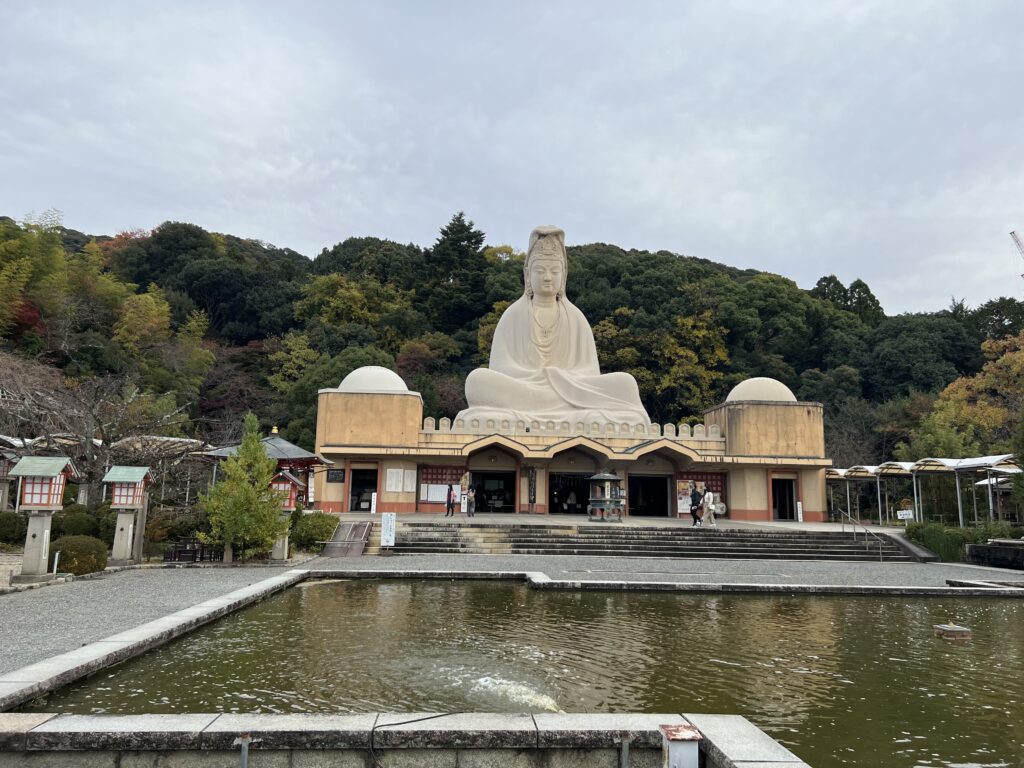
974, 497
988, 487
878, 487
918, 512
959, 499
848, 511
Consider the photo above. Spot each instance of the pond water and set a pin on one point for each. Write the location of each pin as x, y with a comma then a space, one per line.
841, 681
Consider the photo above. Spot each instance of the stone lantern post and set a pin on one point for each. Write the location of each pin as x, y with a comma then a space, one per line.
41, 481
129, 496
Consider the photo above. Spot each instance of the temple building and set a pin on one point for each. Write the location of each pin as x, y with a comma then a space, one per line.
760, 450
542, 418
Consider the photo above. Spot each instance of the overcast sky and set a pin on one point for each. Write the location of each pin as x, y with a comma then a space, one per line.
876, 140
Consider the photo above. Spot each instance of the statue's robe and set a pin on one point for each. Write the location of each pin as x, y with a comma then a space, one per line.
559, 379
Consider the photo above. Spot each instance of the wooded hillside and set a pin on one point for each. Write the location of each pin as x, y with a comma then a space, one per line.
208, 326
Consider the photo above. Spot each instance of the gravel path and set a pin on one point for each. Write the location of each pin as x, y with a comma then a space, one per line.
39, 623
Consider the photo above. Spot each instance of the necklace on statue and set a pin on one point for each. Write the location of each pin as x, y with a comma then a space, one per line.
546, 330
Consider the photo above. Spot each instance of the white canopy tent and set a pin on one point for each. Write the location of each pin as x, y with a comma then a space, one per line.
1004, 464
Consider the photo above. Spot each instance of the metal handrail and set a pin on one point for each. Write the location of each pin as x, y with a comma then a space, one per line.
867, 531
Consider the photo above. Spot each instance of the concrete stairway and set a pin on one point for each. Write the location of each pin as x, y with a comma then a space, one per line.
611, 540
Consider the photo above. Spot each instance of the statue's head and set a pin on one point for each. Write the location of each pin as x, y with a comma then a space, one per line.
546, 252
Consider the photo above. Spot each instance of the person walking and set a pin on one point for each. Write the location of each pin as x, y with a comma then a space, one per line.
570, 502
450, 502
695, 506
471, 501
708, 502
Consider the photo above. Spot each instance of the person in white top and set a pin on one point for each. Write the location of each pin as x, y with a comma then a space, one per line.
708, 502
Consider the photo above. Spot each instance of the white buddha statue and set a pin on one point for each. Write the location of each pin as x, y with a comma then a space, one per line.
543, 362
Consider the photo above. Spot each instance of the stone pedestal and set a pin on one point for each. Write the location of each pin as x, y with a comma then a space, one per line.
35, 562
124, 538
280, 550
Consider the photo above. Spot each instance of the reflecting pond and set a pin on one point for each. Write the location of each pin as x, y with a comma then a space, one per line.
852, 681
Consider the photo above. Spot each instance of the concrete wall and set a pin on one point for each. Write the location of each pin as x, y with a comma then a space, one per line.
770, 428
354, 418
343, 741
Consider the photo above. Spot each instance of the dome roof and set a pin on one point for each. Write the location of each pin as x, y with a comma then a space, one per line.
761, 388
372, 378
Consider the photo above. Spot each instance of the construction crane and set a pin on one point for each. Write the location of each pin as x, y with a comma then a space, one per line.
1019, 244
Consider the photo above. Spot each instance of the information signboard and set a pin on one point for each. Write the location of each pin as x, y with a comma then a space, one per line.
387, 529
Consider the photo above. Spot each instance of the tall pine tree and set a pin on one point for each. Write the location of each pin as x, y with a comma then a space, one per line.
244, 511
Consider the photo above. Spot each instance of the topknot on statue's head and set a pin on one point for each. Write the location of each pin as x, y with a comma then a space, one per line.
547, 242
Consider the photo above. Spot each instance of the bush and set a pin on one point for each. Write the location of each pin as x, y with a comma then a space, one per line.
950, 544
80, 524
12, 528
79, 554
313, 528
106, 523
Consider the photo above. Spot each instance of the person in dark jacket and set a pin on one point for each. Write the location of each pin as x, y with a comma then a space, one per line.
450, 502
695, 499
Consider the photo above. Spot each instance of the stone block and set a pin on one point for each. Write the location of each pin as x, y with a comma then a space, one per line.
582, 758
458, 731
124, 732
298, 731
732, 740
418, 758
195, 759
601, 730
330, 758
501, 758
14, 726
58, 759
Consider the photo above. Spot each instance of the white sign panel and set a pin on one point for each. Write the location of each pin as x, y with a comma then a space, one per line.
905, 514
393, 484
387, 529
800, 511
409, 486
373, 503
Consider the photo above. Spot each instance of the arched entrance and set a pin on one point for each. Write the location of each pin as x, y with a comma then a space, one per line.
567, 485
494, 474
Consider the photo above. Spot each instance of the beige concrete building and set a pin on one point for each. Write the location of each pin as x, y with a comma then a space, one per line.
760, 451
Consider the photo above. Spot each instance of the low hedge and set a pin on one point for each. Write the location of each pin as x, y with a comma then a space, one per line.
313, 528
80, 524
79, 554
950, 544
12, 528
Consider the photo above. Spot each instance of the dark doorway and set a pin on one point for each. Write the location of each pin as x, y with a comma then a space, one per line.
649, 495
783, 499
495, 491
361, 489
567, 493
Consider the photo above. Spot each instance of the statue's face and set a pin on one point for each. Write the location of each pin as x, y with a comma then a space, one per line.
546, 277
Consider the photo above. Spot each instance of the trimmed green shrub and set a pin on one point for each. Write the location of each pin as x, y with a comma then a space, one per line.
106, 523
950, 544
80, 524
12, 528
79, 554
313, 528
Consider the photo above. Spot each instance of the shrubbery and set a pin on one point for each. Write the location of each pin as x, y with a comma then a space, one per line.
313, 528
950, 544
80, 524
12, 528
79, 554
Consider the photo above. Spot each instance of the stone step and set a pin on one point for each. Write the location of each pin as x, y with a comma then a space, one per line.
719, 554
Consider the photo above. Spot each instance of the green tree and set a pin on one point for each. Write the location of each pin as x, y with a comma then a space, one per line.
454, 287
244, 511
